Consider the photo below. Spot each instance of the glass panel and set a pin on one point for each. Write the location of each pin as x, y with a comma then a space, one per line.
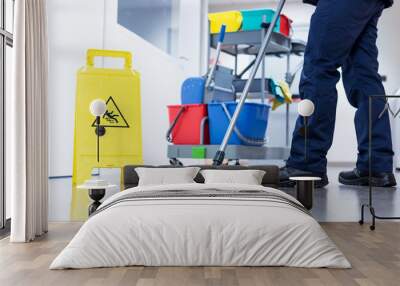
155, 21
9, 15
8, 86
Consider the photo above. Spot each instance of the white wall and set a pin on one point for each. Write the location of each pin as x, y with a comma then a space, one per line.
75, 26
161, 76
162, 31
342, 150
389, 46
193, 36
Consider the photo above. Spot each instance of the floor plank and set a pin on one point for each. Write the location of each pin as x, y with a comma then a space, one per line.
375, 257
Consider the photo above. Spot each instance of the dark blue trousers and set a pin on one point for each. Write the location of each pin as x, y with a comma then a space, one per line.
343, 35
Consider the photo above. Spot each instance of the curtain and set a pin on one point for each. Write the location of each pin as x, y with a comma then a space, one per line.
26, 125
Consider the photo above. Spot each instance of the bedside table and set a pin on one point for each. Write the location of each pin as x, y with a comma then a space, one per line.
305, 190
96, 190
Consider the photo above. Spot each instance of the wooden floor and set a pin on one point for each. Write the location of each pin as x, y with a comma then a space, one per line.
375, 257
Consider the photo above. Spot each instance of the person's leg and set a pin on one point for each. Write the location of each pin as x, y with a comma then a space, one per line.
361, 79
335, 27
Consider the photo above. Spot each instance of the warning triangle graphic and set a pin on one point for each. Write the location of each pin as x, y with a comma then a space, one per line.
113, 117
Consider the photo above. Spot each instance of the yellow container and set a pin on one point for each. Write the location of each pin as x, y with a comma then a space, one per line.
232, 20
121, 143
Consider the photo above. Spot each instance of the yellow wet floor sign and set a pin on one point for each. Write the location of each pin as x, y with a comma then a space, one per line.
121, 143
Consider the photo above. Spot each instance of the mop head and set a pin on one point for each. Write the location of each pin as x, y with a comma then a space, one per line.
281, 92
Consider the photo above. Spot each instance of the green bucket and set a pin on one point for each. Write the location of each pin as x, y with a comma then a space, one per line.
252, 19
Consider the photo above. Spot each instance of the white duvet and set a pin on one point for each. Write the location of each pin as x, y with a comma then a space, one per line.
200, 231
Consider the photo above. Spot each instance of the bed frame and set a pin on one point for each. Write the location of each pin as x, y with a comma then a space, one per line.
271, 177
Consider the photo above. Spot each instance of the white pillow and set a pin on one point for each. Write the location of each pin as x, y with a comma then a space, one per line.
247, 177
166, 176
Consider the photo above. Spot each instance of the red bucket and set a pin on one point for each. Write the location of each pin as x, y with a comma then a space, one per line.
188, 124
285, 25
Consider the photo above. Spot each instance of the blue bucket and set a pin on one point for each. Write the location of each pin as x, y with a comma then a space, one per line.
251, 124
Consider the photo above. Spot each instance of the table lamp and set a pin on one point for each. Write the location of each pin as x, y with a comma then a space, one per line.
97, 108
305, 108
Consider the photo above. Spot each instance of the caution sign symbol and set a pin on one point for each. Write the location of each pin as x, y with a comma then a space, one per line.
113, 116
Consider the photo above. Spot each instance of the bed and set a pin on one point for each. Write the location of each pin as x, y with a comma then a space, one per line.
197, 224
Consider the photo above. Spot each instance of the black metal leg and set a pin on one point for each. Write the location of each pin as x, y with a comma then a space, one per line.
370, 203
372, 210
374, 216
96, 195
361, 221
305, 193
93, 207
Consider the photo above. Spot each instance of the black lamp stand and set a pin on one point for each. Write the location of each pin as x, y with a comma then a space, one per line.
100, 131
305, 138
370, 202
98, 137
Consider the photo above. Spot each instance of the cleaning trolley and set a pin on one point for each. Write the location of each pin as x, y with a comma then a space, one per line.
214, 120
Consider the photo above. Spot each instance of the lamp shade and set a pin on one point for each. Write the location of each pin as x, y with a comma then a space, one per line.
98, 107
305, 107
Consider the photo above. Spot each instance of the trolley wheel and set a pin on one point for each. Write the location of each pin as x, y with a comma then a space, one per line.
233, 162
361, 222
372, 227
175, 162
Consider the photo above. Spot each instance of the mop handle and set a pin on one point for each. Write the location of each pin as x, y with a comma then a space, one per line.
220, 155
219, 45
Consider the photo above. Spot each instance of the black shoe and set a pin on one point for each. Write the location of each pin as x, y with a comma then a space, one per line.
358, 178
286, 172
